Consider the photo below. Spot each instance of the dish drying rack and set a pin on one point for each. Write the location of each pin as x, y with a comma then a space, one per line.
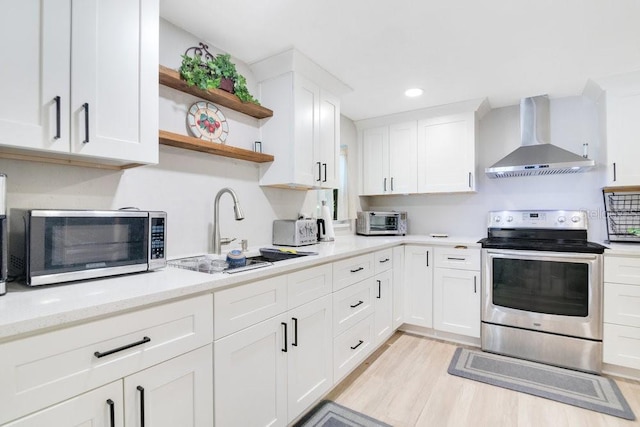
622, 209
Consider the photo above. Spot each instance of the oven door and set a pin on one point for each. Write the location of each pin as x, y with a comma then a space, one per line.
554, 292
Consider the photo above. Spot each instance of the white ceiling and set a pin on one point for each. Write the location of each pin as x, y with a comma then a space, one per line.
455, 50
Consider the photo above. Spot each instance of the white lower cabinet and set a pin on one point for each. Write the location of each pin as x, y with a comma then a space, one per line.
621, 340
456, 301
352, 346
93, 408
383, 306
268, 373
418, 289
177, 392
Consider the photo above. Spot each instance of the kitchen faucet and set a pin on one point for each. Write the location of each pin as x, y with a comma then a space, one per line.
216, 217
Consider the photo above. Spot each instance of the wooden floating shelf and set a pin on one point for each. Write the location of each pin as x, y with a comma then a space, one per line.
171, 78
197, 144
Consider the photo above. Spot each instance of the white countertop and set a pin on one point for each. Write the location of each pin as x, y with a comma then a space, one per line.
26, 310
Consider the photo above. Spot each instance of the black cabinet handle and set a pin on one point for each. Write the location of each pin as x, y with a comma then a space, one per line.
324, 165
99, 354
86, 122
141, 390
450, 258
475, 280
357, 269
385, 184
284, 324
357, 304
294, 343
379, 289
357, 345
384, 260
57, 101
319, 171
427, 258
469, 179
391, 183
614, 171
112, 412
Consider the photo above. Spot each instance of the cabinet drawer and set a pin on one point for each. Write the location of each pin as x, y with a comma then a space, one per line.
621, 346
243, 306
40, 370
619, 269
352, 304
459, 257
622, 304
306, 285
351, 347
351, 270
383, 260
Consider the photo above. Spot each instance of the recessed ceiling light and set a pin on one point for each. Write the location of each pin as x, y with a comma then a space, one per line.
413, 92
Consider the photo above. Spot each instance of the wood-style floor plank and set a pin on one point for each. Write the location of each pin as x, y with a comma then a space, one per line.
405, 383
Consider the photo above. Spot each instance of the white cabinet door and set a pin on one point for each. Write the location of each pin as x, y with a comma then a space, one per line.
310, 354
35, 41
398, 286
375, 161
178, 392
114, 71
456, 301
88, 78
327, 150
446, 154
623, 129
250, 381
403, 165
418, 282
383, 307
102, 407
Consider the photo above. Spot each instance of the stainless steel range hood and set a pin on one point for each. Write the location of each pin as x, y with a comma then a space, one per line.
536, 156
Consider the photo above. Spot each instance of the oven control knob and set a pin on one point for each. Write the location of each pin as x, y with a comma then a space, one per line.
561, 219
509, 219
496, 219
575, 218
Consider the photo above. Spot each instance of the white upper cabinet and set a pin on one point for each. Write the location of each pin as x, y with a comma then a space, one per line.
304, 132
84, 79
447, 154
623, 138
389, 159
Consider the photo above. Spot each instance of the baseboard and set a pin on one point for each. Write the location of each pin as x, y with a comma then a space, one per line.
440, 335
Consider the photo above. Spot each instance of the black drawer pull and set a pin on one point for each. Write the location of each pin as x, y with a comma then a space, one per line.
99, 354
357, 304
456, 259
357, 269
384, 260
141, 390
112, 412
357, 345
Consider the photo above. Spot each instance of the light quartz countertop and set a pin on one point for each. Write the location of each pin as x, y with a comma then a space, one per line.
26, 310
629, 249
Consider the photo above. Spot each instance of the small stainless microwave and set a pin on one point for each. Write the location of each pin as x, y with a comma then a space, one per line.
376, 223
54, 246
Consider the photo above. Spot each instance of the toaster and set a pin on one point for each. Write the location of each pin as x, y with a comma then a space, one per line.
295, 232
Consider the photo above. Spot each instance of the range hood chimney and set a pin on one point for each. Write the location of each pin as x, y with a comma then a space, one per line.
536, 156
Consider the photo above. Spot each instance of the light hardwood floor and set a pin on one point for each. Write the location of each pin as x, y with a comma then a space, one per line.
405, 383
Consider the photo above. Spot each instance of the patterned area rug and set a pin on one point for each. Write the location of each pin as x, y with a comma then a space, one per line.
580, 389
330, 414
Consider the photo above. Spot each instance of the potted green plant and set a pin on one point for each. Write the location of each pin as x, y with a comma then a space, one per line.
208, 72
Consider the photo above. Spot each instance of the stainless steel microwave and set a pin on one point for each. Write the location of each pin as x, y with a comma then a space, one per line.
377, 223
54, 246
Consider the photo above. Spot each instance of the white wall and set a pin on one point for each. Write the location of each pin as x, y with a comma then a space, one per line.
574, 120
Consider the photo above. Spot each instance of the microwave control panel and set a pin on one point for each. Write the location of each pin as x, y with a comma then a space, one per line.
157, 237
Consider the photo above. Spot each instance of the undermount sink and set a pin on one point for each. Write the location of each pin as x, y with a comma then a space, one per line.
215, 264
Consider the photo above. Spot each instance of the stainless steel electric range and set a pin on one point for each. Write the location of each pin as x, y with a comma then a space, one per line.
542, 288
